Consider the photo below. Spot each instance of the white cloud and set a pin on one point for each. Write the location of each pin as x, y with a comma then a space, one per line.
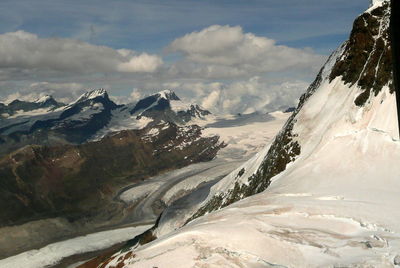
209, 42
141, 63
254, 94
211, 101
64, 92
136, 95
244, 96
133, 97
228, 51
223, 69
23, 50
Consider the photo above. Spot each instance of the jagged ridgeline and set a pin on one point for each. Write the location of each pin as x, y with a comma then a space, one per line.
367, 57
365, 61
92, 116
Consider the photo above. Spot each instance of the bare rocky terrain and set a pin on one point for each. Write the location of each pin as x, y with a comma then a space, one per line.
51, 193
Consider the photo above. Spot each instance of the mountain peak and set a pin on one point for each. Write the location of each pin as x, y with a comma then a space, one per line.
375, 4
168, 95
44, 99
101, 92
16, 101
167, 106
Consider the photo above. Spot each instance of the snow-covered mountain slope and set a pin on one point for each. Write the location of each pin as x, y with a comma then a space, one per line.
73, 123
50, 116
92, 116
18, 108
328, 187
167, 106
164, 106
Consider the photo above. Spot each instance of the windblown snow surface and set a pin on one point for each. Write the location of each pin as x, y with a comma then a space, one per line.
336, 205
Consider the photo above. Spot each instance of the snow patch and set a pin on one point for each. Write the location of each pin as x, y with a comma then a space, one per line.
375, 4
165, 93
43, 99
92, 94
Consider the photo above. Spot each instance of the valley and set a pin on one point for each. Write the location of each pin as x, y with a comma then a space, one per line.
142, 202
242, 171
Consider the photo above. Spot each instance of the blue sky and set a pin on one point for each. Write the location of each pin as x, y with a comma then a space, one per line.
151, 26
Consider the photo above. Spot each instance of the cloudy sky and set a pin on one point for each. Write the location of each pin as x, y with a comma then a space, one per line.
228, 55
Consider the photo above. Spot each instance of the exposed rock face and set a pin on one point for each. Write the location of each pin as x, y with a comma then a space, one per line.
367, 57
396, 260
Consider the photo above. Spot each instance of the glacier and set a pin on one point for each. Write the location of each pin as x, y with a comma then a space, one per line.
336, 203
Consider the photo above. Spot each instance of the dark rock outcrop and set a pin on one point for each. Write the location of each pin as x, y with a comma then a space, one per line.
367, 57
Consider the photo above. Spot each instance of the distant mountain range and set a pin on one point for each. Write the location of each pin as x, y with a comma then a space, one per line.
92, 116
66, 163
45, 102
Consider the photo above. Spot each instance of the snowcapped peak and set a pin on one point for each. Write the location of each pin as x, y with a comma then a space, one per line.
375, 4
101, 92
168, 95
93, 94
43, 99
